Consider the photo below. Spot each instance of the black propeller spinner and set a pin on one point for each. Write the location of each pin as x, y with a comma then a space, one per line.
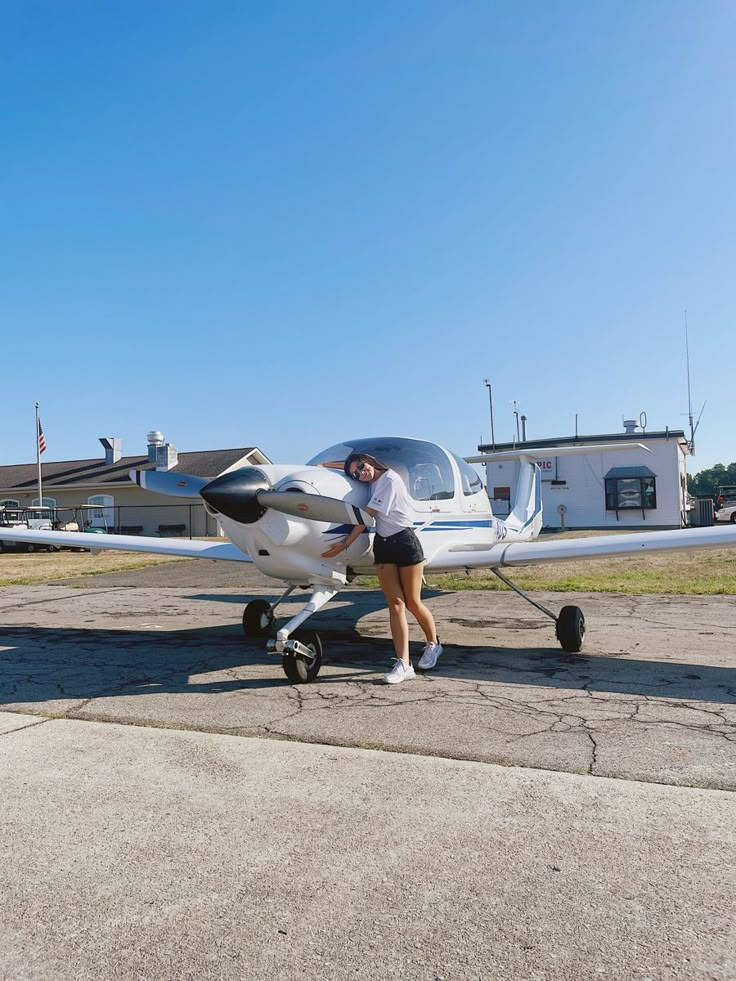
235, 494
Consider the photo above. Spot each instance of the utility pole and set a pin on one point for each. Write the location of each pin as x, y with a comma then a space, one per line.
490, 403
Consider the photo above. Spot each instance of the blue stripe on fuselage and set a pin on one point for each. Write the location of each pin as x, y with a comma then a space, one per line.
443, 525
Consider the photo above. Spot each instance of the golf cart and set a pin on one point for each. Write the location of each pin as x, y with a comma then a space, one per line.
17, 517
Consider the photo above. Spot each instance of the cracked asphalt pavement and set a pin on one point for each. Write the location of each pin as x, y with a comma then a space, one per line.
651, 697
647, 857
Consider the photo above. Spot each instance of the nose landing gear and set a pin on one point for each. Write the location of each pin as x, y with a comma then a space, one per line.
301, 656
304, 659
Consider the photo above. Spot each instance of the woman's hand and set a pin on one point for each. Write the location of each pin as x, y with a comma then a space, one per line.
334, 550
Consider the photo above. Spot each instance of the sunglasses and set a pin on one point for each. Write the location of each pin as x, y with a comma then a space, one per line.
359, 468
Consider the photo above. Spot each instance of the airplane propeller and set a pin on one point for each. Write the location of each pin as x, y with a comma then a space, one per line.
245, 494
169, 482
316, 507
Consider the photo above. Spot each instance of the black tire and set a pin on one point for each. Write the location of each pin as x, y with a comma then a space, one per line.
571, 628
30, 547
732, 519
257, 618
298, 669
2, 546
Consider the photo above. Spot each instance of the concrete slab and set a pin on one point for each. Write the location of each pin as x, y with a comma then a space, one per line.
10, 721
139, 853
652, 697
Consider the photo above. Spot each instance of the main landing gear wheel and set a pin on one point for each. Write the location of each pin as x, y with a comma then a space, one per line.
301, 670
571, 628
257, 618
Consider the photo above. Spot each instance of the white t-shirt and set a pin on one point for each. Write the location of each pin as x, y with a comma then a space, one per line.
391, 502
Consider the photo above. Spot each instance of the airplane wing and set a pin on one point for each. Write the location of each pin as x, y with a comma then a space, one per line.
593, 547
224, 551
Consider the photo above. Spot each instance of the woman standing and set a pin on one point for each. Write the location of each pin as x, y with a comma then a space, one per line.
399, 559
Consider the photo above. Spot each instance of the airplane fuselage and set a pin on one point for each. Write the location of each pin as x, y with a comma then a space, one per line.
451, 511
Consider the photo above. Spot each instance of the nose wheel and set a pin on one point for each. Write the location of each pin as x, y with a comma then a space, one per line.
302, 666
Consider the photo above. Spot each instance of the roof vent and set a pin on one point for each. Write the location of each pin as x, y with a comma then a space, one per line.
630, 426
113, 448
154, 439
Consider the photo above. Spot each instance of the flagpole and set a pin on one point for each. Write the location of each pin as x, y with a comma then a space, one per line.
38, 458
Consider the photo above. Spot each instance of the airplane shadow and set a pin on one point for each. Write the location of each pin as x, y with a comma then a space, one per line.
44, 664
372, 598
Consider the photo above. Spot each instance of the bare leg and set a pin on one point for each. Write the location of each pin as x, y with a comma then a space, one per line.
388, 577
411, 585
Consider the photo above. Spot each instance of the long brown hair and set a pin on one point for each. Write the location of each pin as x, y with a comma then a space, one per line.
357, 457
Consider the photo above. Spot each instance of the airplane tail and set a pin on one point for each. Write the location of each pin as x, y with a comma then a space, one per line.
525, 521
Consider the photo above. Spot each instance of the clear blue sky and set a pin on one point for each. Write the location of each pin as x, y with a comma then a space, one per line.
285, 224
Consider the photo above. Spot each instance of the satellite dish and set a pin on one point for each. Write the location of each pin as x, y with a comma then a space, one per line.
643, 420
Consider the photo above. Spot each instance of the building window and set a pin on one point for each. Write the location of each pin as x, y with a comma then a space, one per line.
631, 492
47, 502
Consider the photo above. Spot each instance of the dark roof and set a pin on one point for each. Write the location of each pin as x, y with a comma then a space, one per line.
71, 473
541, 444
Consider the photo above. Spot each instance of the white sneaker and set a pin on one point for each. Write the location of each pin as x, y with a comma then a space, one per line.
399, 672
429, 656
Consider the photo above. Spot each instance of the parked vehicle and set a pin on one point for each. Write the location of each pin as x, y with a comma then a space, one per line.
41, 518
23, 518
83, 517
727, 513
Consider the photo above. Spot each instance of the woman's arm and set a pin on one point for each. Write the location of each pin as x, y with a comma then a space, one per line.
343, 546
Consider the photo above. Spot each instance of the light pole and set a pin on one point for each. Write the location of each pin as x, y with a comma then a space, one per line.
490, 403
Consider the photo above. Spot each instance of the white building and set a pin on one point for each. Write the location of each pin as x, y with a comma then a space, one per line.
627, 489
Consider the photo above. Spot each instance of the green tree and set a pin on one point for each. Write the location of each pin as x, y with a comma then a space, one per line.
707, 482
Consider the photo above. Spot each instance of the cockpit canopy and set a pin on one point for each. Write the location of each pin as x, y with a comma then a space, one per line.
424, 467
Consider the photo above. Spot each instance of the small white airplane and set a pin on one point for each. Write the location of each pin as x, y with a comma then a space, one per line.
284, 517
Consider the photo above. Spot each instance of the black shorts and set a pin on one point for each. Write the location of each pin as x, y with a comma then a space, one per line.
400, 549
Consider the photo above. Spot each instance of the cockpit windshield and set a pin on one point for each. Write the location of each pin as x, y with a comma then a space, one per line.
424, 467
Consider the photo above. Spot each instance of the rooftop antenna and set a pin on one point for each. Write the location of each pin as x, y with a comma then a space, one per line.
693, 427
689, 399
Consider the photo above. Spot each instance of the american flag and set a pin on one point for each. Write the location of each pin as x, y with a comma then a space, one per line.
41, 439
